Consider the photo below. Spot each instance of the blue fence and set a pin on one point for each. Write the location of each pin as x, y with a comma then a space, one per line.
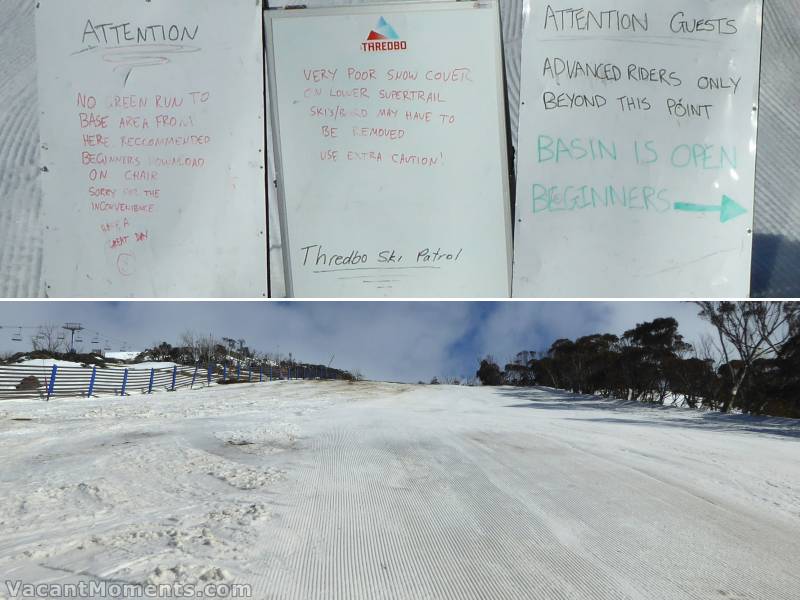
17, 381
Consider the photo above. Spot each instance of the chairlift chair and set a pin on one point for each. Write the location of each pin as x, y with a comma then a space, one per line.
79, 339
17, 337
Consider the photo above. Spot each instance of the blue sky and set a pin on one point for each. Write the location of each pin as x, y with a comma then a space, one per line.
395, 341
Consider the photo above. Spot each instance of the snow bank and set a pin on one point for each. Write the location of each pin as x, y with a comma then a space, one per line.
147, 365
122, 355
47, 362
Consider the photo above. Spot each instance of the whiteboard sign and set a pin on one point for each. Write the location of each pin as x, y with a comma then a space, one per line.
391, 150
637, 149
152, 143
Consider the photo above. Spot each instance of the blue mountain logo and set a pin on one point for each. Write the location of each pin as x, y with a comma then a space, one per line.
383, 38
383, 31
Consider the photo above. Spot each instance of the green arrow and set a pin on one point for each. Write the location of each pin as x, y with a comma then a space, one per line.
728, 210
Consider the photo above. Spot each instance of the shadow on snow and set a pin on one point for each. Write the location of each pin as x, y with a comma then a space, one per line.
558, 400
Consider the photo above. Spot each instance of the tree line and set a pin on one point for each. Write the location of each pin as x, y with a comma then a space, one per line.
194, 348
191, 349
750, 364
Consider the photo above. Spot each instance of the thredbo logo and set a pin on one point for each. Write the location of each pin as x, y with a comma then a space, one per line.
383, 39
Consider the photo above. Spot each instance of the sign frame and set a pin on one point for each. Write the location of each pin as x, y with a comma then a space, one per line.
274, 14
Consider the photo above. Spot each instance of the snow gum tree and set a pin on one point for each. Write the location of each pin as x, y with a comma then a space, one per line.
489, 372
748, 332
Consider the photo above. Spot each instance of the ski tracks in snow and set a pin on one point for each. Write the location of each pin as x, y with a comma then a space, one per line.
426, 499
311, 490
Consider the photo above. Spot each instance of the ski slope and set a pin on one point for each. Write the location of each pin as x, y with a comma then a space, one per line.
331, 490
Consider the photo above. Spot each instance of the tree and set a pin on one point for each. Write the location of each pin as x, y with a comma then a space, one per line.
161, 352
230, 345
785, 399
693, 378
544, 372
752, 363
49, 337
211, 350
520, 372
517, 374
489, 372
594, 360
191, 344
647, 351
754, 331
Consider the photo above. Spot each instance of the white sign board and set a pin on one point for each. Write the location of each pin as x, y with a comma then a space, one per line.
391, 150
152, 131
637, 148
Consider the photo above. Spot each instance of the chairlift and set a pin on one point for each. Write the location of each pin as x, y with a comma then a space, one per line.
17, 337
79, 339
61, 337
96, 340
107, 347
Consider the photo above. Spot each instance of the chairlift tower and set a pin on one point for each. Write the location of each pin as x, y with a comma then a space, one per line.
72, 328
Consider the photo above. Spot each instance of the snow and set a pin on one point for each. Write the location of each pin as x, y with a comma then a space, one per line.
122, 355
47, 362
148, 365
374, 490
